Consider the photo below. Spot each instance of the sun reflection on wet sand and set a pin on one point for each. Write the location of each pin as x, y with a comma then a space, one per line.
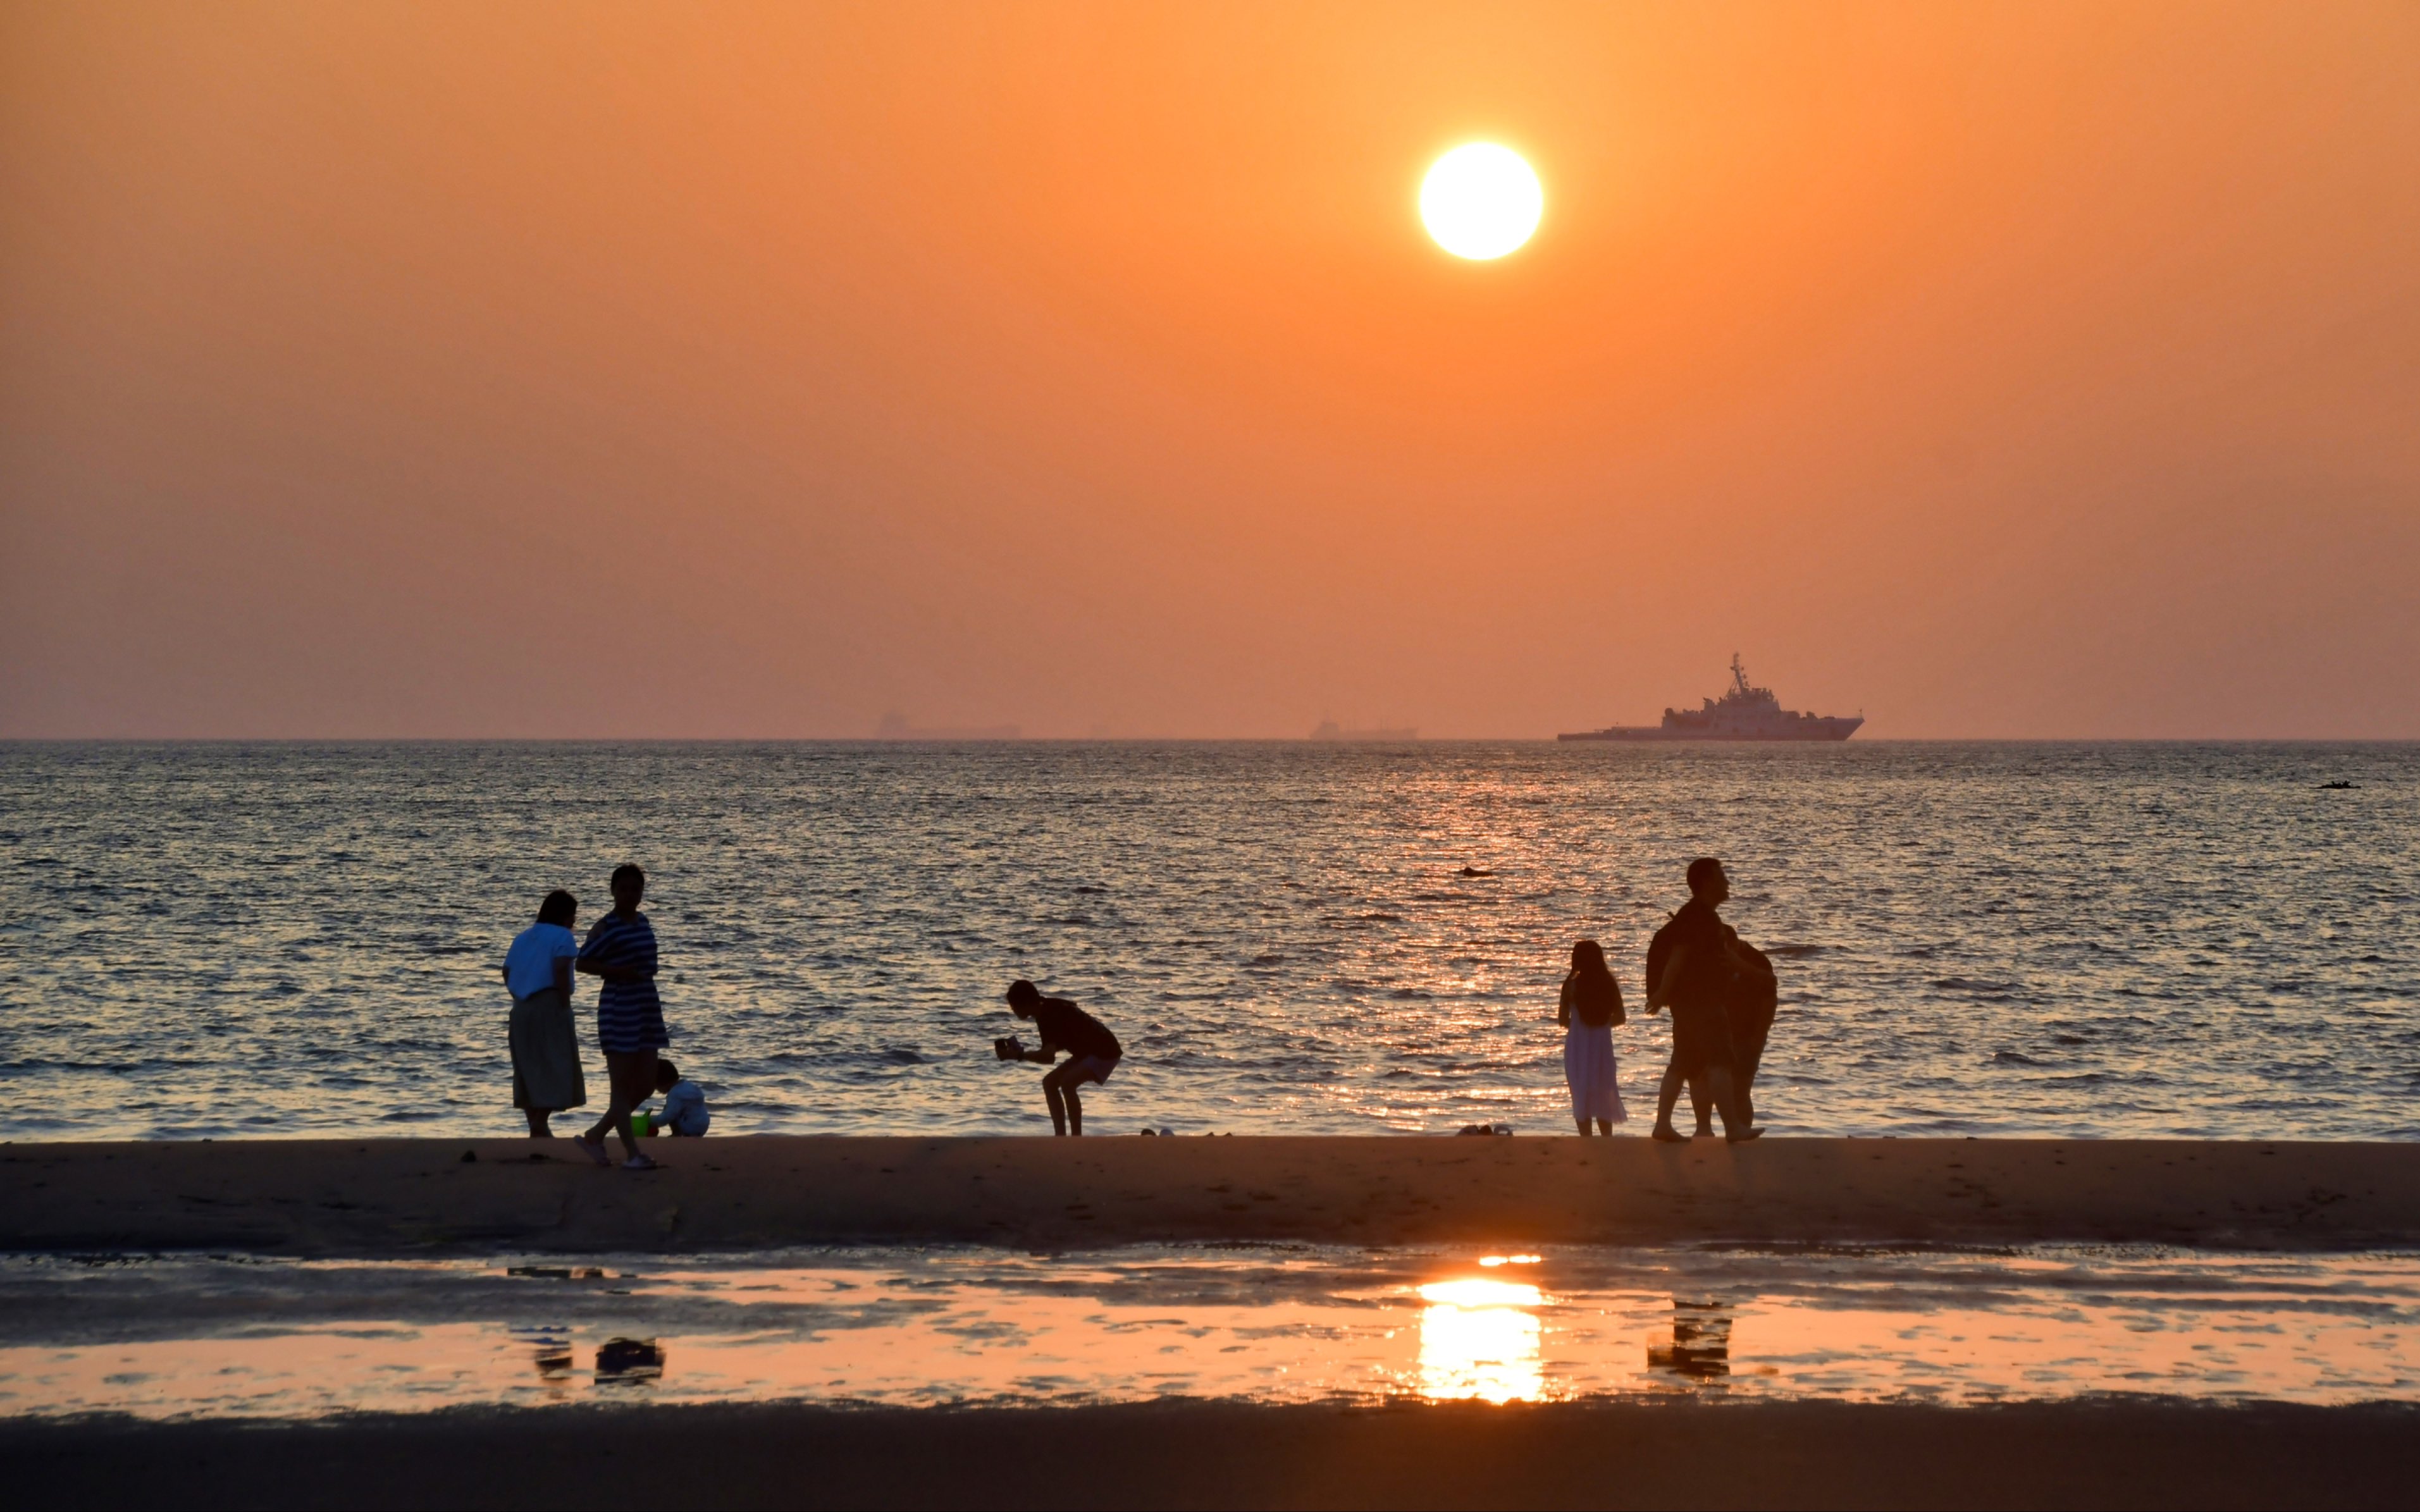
173, 1338
1478, 1338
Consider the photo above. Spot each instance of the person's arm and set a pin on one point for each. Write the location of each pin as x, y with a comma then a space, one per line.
585, 964
644, 971
563, 975
594, 968
1563, 1005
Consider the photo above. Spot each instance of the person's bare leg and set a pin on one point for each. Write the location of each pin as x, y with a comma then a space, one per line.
1074, 1113
1701, 1106
1058, 1104
616, 1116
1735, 1127
1666, 1096
1605, 1127
538, 1118
1583, 1123
623, 1072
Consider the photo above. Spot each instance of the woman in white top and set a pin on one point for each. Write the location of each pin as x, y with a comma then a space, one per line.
546, 1055
1591, 1007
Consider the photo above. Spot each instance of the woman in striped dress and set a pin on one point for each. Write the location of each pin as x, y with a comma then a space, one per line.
621, 948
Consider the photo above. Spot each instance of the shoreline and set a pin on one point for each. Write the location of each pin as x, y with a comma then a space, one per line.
375, 1197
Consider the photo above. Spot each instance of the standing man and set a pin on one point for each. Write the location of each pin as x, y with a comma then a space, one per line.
1093, 1051
1692, 969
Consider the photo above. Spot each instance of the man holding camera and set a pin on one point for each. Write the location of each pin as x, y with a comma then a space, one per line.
1092, 1051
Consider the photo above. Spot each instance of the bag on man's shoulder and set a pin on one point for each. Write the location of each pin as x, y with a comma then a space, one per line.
1659, 958
1659, 955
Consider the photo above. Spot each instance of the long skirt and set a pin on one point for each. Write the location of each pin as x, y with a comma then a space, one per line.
1594, 1075
545, 1053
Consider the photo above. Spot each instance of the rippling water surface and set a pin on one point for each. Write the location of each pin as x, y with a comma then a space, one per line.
2137, 939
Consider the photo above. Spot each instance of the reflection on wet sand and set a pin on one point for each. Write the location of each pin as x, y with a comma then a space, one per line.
1700, 1350
552, 1350
167, 1337
628, 1362
1480, 1339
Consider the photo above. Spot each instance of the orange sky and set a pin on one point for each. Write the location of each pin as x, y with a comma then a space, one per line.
504, 369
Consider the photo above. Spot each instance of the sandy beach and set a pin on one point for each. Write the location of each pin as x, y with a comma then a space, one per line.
370, 1198
2102, 1453
377, 1198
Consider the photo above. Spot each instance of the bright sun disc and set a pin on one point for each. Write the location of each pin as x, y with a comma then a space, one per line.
1480, 201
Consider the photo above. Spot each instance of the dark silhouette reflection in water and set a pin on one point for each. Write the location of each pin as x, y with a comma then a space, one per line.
1700, 1350
630, 1362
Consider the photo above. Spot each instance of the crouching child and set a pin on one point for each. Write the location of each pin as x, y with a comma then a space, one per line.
684, 1111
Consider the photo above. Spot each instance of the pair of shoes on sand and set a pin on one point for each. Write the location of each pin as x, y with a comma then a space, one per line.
596, 1151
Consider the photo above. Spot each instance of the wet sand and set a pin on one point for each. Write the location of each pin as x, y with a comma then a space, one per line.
374, 1198
2103, 1453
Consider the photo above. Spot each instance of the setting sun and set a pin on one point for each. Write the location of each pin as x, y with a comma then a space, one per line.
1480, 201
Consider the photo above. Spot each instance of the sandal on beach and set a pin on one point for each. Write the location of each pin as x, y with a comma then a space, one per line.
1668, 1134
1742, 1137
640, 1162
595, 1148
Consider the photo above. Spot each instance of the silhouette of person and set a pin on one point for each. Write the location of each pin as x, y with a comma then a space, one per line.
1589, 1008
629, 1016
1749, 1012
545, 1052
1093, 1051
1691, 969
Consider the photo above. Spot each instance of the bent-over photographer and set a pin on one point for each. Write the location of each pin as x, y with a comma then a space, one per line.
1093, 1051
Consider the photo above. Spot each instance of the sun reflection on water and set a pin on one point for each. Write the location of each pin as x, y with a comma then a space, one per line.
1478, 1340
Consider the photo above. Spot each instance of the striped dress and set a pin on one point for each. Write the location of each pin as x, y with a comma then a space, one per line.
629, 1016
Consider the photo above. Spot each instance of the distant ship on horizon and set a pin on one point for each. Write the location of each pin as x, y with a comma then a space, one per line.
894, 726
1742, 713
1330, 730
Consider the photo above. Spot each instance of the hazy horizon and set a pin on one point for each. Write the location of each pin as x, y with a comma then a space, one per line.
612, 371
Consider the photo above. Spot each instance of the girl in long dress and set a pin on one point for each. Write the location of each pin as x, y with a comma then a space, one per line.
1591, 1007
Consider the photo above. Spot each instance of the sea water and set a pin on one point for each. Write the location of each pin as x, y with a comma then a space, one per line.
2152, 939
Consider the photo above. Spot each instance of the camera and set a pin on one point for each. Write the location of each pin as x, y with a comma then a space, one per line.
1009, 1049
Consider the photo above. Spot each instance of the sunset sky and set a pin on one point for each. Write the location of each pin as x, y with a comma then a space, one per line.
725, 370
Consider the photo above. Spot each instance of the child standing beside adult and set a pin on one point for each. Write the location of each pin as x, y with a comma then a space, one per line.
621, 948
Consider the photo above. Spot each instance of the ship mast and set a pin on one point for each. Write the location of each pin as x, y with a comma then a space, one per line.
1739, 673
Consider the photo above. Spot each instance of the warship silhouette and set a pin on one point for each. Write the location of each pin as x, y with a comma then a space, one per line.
1742, 713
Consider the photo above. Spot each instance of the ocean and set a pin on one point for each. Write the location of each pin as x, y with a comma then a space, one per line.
2172, 940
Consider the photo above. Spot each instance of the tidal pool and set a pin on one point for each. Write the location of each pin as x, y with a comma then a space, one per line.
233, 1335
